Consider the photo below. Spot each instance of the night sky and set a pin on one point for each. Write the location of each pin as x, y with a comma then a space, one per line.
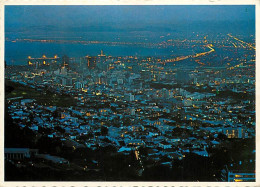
21, 17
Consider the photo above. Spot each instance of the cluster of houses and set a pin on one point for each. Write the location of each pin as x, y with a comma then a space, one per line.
169, 122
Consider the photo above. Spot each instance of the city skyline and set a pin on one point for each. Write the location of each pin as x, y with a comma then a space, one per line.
130, 93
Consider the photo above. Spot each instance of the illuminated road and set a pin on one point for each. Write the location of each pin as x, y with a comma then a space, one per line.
248, 44
137, 155
234, 45
147, 44
191, 56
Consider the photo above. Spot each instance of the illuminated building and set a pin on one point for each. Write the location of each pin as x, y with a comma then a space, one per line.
101, 54
42, 61
91, 62
19, 153
101, 61
65, 60
63, 71
235, 132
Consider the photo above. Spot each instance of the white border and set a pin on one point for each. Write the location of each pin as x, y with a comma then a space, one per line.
123, 2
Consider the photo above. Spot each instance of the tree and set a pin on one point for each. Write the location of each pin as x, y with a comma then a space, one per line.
222, 136
104, 130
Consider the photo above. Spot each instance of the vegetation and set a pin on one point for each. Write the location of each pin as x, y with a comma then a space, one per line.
43, 97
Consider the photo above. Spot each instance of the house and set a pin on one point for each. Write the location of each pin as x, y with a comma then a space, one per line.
125, 150
19, 153
26, 101
165, 145
201, 153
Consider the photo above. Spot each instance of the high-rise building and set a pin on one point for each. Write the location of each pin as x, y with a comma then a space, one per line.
91, 62
101, 61
101, 54
65, 60
63, 70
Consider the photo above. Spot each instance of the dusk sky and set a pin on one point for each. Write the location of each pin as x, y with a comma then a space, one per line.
20, 17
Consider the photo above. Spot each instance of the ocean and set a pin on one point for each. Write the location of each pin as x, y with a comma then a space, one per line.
16, 53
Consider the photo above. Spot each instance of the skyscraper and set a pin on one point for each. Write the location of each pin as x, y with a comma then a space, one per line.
91, 62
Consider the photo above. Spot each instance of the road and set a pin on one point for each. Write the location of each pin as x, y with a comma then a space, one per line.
191, 56
248, 44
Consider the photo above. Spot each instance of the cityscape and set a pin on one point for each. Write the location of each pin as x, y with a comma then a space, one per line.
130, 102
